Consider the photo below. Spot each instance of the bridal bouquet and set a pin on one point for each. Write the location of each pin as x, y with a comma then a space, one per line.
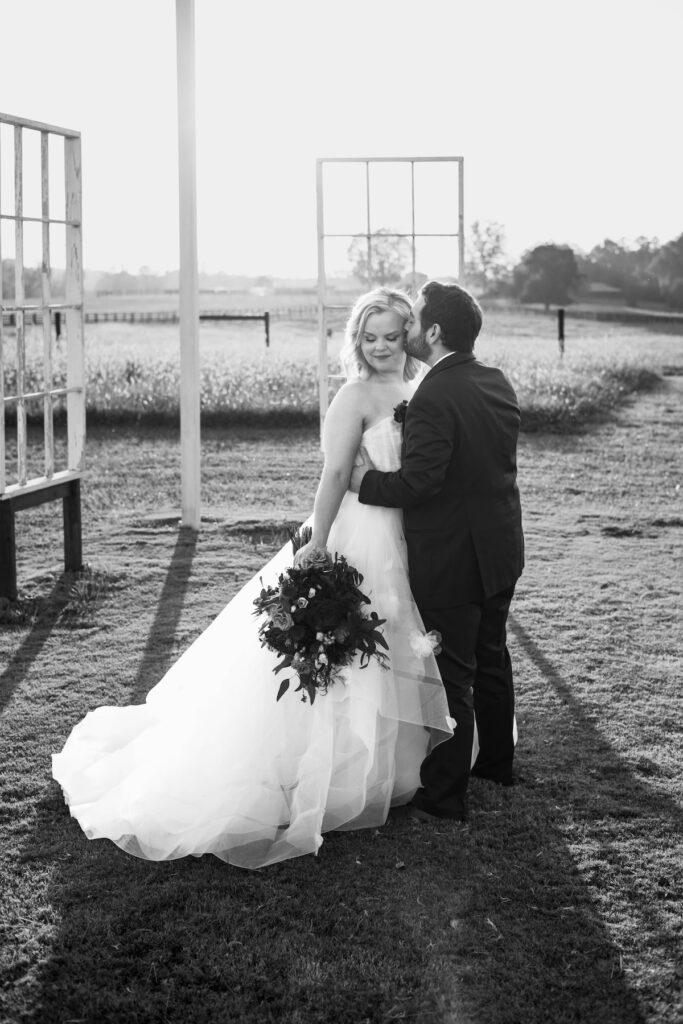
316, 622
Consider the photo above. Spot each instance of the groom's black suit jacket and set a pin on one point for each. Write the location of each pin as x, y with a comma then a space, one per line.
457, 484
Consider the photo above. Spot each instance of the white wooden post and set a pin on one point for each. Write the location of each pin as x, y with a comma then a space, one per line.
46, 298
190, 446
461, 220
19, 302
323, 384
75, 358
2, 355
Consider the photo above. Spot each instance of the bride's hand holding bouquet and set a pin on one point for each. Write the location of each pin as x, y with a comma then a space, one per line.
315, 620
310, 552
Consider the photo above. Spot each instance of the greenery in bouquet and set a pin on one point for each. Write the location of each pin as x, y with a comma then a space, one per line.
315, 619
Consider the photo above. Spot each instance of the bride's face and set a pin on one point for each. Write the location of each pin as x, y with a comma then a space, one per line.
382, 342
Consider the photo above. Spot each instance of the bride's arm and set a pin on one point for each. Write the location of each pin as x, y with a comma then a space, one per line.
342, 435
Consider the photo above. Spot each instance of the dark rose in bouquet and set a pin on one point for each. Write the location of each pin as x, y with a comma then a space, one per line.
326, 613
316, 621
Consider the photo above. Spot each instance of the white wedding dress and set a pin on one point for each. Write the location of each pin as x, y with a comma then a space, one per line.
212, 763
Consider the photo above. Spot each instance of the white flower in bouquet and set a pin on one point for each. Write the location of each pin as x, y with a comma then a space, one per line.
424, 644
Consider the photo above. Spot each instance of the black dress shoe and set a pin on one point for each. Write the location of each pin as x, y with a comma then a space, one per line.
514, 779
400, 811
417, 814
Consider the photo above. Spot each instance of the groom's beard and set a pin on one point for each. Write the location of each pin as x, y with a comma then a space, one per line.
418, 347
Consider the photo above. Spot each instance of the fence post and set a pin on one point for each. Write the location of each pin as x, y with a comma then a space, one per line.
266, 317
8, 556
73, 544
560, 331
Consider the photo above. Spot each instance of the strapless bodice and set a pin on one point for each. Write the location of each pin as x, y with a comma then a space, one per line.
382, 442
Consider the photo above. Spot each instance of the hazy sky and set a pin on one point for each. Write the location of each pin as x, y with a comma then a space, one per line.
568, 115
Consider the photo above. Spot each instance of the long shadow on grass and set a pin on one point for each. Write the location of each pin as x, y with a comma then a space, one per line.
160, 650
492, 923
488, 924
198, 942
551, 919
609, 786
519, 931
49, 610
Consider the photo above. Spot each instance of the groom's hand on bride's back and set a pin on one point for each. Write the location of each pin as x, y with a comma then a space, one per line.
357, 474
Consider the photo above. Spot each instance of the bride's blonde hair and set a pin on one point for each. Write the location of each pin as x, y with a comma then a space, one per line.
379, 300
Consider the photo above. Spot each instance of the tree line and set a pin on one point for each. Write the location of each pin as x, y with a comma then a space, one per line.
32, 280
643, 272
640, 272
122, 282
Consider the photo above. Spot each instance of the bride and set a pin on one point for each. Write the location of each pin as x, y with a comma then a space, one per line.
211, 762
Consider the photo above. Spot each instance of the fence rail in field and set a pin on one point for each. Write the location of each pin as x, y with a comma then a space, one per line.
34, 315
614, 314
161, 316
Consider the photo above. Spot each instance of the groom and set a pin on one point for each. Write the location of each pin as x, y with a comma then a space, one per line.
463, 526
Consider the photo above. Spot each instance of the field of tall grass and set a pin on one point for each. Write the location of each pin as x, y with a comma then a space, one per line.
133, 369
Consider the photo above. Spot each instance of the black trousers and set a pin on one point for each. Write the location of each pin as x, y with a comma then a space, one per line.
477, 676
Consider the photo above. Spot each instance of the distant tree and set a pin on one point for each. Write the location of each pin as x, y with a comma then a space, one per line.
548, 274
32, 281
624, 265
486, 265
8, 278
118, 283
413, 281
389, 258
33, 286
667, 267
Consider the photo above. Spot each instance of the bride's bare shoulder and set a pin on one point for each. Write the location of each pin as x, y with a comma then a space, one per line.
352, 399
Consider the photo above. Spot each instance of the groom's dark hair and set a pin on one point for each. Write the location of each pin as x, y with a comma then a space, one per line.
457, 313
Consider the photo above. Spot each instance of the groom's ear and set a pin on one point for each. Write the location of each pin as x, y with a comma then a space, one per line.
434, 334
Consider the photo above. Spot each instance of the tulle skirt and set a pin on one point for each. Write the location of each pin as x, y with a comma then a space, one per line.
212, 763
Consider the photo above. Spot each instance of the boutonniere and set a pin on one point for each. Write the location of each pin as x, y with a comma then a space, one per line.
400, 412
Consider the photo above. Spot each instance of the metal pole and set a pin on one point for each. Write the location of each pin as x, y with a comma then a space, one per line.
560, 331
190, 447
323, 383
367, 209
461, 221
412, 215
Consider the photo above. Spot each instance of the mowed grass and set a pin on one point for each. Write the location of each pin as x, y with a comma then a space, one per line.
133, 369
558, 902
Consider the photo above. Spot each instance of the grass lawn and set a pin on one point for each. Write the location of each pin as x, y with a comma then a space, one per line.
559, 901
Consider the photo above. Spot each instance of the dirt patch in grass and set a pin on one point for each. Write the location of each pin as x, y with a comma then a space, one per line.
559, 901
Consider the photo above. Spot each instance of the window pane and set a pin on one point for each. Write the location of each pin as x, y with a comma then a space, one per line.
344, 194
7, 169
31, 173
436, 197
390, 197
438, 258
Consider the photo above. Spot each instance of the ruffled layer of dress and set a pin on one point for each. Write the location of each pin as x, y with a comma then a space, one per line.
212, 763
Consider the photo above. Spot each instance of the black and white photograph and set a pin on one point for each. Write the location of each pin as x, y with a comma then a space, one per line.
341, 547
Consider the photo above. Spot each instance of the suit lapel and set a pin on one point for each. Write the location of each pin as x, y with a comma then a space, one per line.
447, 363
